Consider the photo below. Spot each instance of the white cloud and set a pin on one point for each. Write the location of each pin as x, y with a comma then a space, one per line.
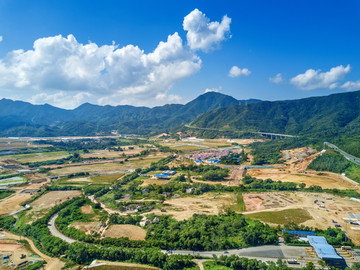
209, 90
60, 67
203, 34
277, 78
238, 72
61, 99
314, 79
350, 85
1, 38
63, 64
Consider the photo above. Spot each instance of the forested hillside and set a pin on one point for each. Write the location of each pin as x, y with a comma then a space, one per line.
327, 117
19, 118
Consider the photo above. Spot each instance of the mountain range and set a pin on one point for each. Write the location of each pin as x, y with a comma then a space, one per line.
18, 118
325, 116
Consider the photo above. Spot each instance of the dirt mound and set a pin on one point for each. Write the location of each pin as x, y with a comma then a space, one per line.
130, 231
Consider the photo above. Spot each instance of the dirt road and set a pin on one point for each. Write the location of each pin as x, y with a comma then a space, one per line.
51, 263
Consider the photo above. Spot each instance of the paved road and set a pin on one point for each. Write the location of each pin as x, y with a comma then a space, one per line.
264, 253
275, 135
213, 129
55, 232
346, 155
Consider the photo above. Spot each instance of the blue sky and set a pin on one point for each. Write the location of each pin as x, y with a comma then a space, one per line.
146, 53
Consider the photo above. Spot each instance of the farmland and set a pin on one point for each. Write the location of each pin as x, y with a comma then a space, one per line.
118, 195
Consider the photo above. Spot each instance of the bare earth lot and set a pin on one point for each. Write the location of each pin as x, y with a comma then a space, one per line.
295, 170
87, 209
52, 263
87, 227
130, 231
13, 202
40, 206
327, 208
53, 198
184, 208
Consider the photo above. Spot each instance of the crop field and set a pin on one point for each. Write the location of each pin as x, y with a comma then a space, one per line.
130, 231
36, 157
105, 167
188, 148
105, 179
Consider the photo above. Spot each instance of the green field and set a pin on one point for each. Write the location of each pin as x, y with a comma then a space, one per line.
105, 179
283, 217
36, 157
211, 265
5, 193
98, 168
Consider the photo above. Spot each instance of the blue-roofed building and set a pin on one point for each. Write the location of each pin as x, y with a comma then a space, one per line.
198, 160
168, 172
323, 249
300, 233
213, 160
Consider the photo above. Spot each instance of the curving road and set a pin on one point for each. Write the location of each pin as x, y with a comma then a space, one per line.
55, 232
264, 253
346, 155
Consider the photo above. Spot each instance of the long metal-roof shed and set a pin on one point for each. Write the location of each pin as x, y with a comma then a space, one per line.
300, 232
323, 249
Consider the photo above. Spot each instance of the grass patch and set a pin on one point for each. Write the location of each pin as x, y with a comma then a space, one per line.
211, 265
5, 193
105, 179
283, 217
238, 205
353, 172
35, 157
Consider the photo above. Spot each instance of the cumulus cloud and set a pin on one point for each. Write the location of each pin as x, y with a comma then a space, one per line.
315, 79
203, 34
61, 99
1, 38
63, 64
277, 78
235, 71
59, 67
350, 85
209, 90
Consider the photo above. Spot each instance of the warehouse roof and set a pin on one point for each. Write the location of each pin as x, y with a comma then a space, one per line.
300, 232
323, 249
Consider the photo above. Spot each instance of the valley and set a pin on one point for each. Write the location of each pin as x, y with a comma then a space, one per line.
123, 192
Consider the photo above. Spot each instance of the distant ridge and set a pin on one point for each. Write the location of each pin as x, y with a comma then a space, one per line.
325, 116
18, 118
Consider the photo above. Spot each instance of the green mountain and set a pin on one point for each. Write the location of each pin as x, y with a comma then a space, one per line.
323, 116
19, 118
